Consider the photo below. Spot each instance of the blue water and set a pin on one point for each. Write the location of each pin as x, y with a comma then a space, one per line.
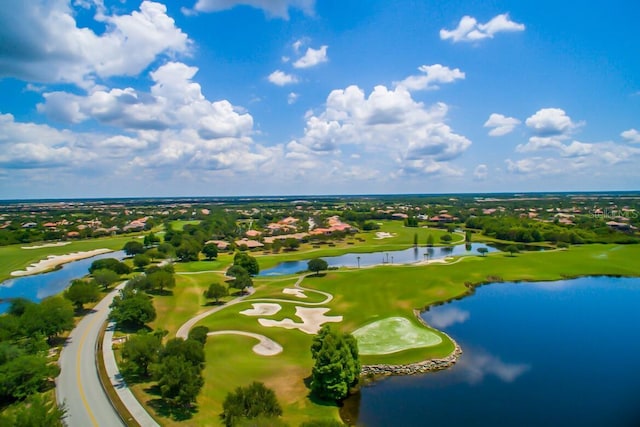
548, 354
406, 256
40, 286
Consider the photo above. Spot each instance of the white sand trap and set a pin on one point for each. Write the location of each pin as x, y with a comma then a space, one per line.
383, 235
53, 261
262, 309
295, 292
46, 245
266, 346
312, 320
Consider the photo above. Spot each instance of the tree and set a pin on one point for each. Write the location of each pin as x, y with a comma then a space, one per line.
132, 309
291, 243
430, 240
25, 375
236, 270
512, 249
199, 333
242, 281
161, 279
188, 251
133, 247
415, 239
251, 402
247, 262
82, 292
105, 278
140, 351
151, 239
141, 261
178, 380
317, 265
446, 238
190, 350
337, 366
216, 291
51, 317
154, 253
483, 251
36, 412
467, 236
210, 251
109, 264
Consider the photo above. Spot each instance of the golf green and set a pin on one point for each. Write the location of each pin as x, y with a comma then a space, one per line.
392, 335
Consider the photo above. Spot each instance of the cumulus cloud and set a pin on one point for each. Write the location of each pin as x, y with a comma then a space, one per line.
432, 75
312, 57
46, 44
390, 121
280, 78
501, 124
551, 122
292, 98
470, 30
274, 8
478, 364
481, 172
631, 135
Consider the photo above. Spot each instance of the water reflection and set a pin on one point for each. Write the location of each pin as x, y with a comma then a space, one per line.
445, 317
476, 364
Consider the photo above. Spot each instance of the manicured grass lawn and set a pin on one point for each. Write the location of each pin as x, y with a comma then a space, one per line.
15, 258
392, 335
361, 296
178, 224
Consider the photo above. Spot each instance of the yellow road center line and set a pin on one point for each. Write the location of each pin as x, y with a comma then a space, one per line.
94, 421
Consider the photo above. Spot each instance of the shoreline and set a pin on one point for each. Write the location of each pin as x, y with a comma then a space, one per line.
54, 261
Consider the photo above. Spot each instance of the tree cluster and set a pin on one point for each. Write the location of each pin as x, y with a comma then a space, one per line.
337, 365
255, 401
132, 309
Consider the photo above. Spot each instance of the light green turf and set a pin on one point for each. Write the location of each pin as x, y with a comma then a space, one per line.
392, 335
179, 224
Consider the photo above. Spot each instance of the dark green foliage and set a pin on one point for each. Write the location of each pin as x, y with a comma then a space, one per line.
337, 365
247, 262
430, 240
109, 264
242, 281
18, 306
140, 351
248, 403
139, 282
141, 260
467, 236
483, 251
25, 375
446, 238
370, 226
132, 309
199, 333
151, 239
36, 412
105, 278
412, 221
165, 248
216, 291
512, 249
51, 317
415, 239
178, 380
161, 280
82, 292
317, 265
190, 350
210, 251
133, 247
291, 243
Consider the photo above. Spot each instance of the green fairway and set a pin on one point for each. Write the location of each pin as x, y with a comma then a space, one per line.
178, 224
392, 335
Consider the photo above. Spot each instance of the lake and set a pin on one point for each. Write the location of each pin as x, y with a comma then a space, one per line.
535, 354
405, 256
39, 286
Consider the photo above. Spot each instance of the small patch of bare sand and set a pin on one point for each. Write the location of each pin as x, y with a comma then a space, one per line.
262, 309
53, 261
295, 292
383, 235
266, 346
46, 245
312, 320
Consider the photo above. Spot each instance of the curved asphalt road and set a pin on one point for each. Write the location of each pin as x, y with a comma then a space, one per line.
78, 385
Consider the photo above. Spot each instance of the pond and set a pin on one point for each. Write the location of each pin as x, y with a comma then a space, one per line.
535, 354
405, 256
39, 286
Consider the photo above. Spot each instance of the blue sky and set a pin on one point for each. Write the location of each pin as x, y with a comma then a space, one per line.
103, 98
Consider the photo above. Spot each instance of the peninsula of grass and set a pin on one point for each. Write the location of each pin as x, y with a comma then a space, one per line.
362, 297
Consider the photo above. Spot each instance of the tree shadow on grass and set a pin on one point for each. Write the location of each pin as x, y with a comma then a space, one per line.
214, 303
128, 328
160, 293
168, 410
316, 275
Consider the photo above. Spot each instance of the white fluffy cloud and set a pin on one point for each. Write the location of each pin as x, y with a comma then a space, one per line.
388, 121
631, 135
292, 98
481, 172
277, 8
312, 57
46, 44
280, 78
470, 30
551, 121
500, 124
432, 75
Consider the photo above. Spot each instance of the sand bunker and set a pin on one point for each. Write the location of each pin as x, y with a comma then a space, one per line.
383, 235
262, 309
46, 245
266, 346
312, 320
295, 292
53, 261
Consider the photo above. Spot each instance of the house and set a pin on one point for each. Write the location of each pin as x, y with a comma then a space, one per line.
251, 244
